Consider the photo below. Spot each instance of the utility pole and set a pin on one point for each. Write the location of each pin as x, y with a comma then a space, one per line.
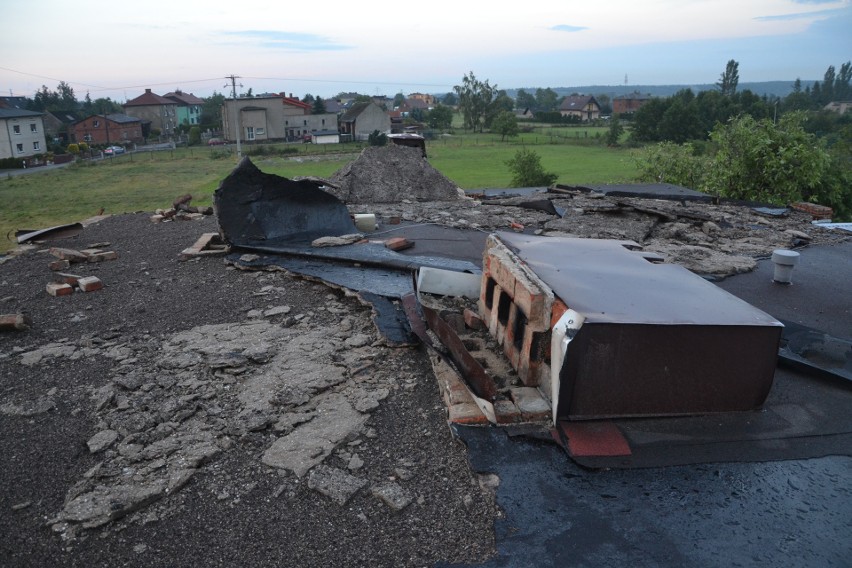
233, 79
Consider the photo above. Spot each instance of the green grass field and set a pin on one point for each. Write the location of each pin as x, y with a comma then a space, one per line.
147, 181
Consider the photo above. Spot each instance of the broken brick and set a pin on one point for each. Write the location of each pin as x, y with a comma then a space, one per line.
58, 265
399, 243
90, 284
103, 255
466, 413
65, 278
472, 320
532, 405
57, 289
506, 412
68, 254
17, 322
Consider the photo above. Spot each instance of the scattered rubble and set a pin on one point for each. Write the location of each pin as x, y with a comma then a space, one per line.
181, 210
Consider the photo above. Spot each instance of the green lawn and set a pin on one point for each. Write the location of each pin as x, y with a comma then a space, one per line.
147, 181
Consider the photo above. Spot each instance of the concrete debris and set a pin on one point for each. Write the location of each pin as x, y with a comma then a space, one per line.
161, 421
337, 241
392, 495
391, 174
334, 483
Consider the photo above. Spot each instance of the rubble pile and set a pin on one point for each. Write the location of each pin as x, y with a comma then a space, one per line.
391, 174
174, 405
711, 240
182, 210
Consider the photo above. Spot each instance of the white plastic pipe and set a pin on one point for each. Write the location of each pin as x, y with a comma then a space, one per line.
784, 261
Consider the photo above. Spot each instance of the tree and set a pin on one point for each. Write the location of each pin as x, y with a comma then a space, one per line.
546, 99
527, 170
440, 118
377, 138
450, 99
524, 100
828, 85
318, 106
729, 79
505, 124
398, 100
842, 90
475, 96
194, 136
616, 129
308, 99
758, 160
604, 102
211, 111
667, 162
502, 102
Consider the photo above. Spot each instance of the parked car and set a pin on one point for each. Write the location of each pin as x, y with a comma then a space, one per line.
114, 150
215, 142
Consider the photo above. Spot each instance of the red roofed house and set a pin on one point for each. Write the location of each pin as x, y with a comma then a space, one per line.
188, 107
159, 112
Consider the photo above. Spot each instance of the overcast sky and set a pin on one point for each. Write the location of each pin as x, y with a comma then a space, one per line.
117, 49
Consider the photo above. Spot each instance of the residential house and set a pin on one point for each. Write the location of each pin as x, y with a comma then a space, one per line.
428, 100
840, 107
57, 125
21, 133
582, 106
19, 103
188, 107
362, 119
629, 103
523, 114
274, 117
333, 106
100, 129
158, 112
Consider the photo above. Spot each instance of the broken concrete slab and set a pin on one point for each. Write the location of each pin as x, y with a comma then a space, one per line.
392, 495
309, 444
334, 483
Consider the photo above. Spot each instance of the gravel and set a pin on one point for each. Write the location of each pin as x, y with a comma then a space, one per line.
138, 420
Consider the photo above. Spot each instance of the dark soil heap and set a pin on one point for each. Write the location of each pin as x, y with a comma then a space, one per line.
391, 174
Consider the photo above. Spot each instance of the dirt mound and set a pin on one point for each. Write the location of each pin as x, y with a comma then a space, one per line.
391, 174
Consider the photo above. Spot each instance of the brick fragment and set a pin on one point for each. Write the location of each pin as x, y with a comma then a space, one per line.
466, 413
58, 265
399, 243
103, 255
65, 278
16, 322
472, 320
70, 255
532, 405
157, 218
90, 283
507, 412
57, 289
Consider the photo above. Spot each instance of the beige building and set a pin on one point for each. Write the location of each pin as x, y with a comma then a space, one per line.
273, 117
362, 119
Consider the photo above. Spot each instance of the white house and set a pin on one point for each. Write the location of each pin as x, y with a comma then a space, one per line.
21, 133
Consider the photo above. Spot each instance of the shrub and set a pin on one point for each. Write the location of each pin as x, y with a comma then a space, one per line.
73, 149
527, 170
377, 138
667, 162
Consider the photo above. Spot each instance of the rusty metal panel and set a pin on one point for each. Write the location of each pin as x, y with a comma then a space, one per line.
650, 339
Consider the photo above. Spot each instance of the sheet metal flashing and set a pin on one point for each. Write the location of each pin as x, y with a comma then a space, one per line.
643, 338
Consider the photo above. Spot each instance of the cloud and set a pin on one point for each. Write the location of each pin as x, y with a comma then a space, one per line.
289, 41
567, 28
800, 15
